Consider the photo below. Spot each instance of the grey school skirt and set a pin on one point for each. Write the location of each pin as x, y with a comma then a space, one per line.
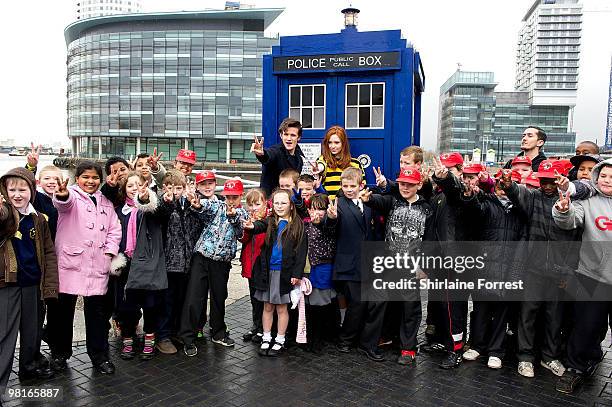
272, 295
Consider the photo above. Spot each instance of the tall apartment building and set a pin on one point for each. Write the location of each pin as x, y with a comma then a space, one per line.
96, 8
548, 52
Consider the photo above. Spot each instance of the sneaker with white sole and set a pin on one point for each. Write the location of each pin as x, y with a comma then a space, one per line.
554, 366
471, 354
494, 362
525, 369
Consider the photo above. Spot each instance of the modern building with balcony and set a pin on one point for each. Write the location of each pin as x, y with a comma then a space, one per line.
167, 80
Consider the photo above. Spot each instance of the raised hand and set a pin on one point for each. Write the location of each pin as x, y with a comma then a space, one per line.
332, 209
471, 190
190, 187
314, 216
297, 196
194, 200
34, 155
143, 192
564, 202
316, 169
365, 195
440, 170
248, 223
381, 180
62, 190
483, 176
111, 180
154, 159
230, 210
506, 178
168, 197
257, 146
562, 181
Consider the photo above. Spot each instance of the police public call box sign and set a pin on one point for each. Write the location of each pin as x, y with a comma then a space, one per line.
338, 62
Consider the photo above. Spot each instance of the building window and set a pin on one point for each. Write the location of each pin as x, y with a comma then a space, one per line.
307, 104
365, 105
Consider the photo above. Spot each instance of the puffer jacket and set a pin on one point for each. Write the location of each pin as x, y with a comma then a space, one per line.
219, 237
182, 231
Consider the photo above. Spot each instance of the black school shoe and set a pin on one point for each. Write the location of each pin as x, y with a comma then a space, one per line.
105, 367
248, 336
276, 350
452, 360
58, 363
569, 381
343, 347
264, 348
374, 355
257, 338
41, 372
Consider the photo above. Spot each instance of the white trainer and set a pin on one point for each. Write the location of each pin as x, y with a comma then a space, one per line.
494, 362
555, 367
471, 354
526, 369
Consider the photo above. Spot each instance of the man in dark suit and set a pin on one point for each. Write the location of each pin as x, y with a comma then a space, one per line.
281, 156
355, 223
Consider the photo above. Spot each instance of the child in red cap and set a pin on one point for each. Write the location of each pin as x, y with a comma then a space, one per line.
409, 215
543, 272
522, 164
185, 160
211, 264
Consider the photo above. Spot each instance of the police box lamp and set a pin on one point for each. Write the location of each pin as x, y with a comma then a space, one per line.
350, 17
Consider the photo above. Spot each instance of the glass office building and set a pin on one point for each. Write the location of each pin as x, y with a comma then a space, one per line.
467, 106
473, 115
167, 80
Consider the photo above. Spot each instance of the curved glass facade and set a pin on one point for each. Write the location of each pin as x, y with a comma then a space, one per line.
167, 84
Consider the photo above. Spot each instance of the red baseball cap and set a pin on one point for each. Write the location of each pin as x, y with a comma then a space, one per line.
516, 176
186, 156
232, 187
409, 174
204, 176
532, 179
548, 167
473, 168
567, 166
451, 159
521, 159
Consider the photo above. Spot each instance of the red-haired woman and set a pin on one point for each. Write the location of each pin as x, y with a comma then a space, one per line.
335, 157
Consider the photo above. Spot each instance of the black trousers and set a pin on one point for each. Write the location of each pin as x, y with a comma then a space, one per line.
19, 313
256, 309
363, 319
60, 317
171, 311
489, 328
116, 293
454, 321
590, 328
411, 315
205, 273
552, 318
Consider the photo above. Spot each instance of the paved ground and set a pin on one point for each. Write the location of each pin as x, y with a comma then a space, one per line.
239, 377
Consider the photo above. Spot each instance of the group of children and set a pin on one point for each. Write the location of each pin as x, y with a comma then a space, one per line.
157, 244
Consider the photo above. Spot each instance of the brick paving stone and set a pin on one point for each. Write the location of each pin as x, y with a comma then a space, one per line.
240, 377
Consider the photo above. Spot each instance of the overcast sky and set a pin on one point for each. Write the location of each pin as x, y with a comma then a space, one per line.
479, 34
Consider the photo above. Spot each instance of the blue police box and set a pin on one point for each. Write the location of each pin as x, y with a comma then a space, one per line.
370, 83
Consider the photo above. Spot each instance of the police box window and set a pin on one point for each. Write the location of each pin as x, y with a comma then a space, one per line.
307, 104
365, 105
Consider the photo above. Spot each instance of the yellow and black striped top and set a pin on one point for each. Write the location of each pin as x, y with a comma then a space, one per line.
331, 176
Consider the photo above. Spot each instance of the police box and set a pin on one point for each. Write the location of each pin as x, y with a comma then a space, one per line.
370, 83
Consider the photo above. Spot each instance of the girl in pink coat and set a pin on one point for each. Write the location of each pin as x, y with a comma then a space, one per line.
88, 236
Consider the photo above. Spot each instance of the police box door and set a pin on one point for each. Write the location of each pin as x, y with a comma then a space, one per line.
364, 109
